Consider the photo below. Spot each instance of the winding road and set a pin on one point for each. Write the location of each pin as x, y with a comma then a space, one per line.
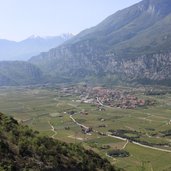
52, 129
125, 145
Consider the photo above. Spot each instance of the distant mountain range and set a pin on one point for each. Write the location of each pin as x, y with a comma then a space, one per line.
130, 46
33, 45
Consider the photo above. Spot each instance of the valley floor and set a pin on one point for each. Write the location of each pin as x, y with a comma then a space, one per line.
136, 120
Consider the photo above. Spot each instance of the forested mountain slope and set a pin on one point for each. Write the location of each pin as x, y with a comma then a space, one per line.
19, 73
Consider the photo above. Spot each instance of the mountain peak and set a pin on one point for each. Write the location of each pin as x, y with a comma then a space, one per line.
66, 36
31, 46
34, 37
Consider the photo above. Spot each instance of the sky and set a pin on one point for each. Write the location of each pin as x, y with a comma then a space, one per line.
20, 19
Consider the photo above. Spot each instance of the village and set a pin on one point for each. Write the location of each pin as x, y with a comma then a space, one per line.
104, 97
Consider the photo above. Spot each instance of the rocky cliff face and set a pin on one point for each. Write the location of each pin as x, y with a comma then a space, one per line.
88, 62
156, 67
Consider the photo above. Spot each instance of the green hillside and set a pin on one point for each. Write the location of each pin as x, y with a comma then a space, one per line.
24, 149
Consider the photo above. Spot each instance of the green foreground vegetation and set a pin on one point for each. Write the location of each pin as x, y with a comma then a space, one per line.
49, 110
24, 149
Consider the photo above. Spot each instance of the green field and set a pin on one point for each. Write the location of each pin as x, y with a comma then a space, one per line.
45, 107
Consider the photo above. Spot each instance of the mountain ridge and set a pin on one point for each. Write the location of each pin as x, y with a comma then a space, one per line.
33, 45
143, 29
130, 46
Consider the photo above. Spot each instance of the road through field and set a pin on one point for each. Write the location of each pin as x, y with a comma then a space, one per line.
154, 148
81, 125
123, 139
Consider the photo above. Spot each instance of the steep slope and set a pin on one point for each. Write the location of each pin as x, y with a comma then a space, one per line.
23, 50
23, 149
19, 73
132, 44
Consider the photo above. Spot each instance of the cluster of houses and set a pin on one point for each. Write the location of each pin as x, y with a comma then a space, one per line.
115, 98
101, 96
124, 102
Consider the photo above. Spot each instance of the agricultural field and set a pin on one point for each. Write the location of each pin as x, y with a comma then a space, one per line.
135, 120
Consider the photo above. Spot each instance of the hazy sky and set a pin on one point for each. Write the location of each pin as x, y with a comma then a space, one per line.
22, 18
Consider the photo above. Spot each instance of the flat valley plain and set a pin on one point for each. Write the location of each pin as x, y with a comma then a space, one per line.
96, 117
